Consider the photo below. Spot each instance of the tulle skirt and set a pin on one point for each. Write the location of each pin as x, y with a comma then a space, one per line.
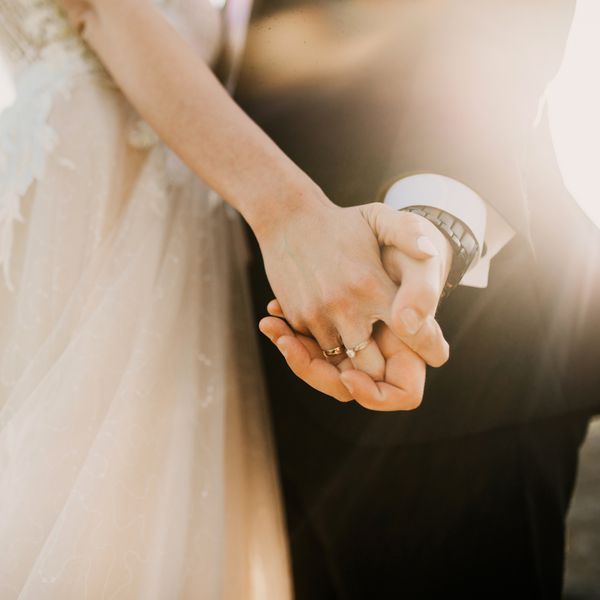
135, 456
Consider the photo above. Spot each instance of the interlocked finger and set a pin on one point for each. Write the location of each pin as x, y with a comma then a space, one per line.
274, 309
404, 377
304, 358
413, 308
363, 351
334, 353
331, 345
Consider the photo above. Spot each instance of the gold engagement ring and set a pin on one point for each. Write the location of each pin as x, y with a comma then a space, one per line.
334, 351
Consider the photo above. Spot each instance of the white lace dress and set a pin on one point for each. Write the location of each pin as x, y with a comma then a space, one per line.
135, 459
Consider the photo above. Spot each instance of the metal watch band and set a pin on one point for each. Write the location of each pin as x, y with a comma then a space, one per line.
461, 238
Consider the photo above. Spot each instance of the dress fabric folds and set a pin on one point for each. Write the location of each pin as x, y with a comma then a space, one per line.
135, 452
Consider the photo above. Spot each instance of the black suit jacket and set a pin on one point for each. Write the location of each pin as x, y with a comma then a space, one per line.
451, 88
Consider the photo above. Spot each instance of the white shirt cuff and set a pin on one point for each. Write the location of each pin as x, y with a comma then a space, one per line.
497, 234
451, 196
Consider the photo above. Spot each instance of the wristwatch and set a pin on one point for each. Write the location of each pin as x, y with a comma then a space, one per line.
464, 244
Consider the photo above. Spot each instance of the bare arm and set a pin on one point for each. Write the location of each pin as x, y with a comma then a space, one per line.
175, 91
323, 262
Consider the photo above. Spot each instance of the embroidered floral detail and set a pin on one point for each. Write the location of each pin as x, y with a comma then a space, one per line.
31, 28
48, 55
25, 140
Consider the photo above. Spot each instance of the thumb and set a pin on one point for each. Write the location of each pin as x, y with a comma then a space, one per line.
402, 230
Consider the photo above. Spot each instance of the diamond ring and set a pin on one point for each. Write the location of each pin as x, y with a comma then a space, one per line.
352, 352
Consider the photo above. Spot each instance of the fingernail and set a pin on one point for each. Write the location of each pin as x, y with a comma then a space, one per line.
411, 321
425, 245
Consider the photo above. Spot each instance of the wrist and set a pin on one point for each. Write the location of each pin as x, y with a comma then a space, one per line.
278, 206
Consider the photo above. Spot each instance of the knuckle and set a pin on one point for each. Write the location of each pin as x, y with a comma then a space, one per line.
364, 282
311, 315
393, 262
426, 296
334, 301
297, 324
379, 212
412, 222
371, 211
356, 334
379, 373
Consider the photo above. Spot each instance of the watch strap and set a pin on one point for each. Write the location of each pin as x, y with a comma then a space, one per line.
464, 244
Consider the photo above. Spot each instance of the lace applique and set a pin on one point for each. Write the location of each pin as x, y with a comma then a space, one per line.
25, 140
48, 55
51, 55
31, 29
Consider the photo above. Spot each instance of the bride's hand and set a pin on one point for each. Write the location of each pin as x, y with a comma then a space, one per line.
404, 378
323, 262
324, 265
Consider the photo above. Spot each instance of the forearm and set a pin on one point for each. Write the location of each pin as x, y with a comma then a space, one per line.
176, 92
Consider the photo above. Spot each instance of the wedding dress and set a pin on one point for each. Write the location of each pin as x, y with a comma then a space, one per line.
135, 458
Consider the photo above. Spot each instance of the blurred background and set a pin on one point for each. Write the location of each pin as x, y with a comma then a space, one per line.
574, 102
574, 107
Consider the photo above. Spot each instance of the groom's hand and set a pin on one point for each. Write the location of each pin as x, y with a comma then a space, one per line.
325, 266
421, 282
404, 377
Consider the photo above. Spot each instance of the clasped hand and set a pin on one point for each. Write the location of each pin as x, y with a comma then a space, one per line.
343, 276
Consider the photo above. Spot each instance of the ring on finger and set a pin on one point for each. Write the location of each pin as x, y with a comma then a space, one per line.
334, 351
354, 350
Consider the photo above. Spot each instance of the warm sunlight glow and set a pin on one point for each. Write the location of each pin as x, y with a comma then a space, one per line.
573, 101
574, 105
